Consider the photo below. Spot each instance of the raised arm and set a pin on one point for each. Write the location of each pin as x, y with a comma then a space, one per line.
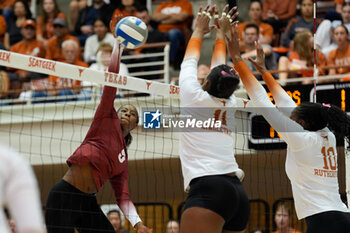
291, 131
201, 27
108, 96
222, 26
282, 99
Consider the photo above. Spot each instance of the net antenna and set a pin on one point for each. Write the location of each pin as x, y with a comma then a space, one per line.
315, 55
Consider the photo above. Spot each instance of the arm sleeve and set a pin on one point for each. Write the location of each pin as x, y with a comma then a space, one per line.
219, 53
121, 192
294, 135
193, 49
190, 89
22, 195
282, 99
107, 100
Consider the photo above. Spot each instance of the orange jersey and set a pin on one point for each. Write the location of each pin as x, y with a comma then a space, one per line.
46, 29
291, 231
6, 3
58, 82
54, 50
340, 57
265, 30
32, 48
321, 62
338, 1
282, 8
124, 13
2, 28
174, 7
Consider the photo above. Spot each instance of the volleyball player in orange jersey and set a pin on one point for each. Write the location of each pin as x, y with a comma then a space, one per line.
311, 162
217, 201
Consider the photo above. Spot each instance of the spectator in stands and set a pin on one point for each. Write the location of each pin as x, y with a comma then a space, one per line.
50, 11
202, 73
63, 86
324, 33
2, 28
265, 30
250, 35
301, 58
278, 12
154, 35
282, 220
103, 58
70, 49
338, 5
84, 25
28, 46
101, 35
127, 8
341, 55
54, 49
173, 18
21, 12
116, 221
173, 226
19, 192
7, 8
75, 6
300, 23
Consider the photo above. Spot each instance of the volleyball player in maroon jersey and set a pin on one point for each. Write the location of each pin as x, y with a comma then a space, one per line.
102, 156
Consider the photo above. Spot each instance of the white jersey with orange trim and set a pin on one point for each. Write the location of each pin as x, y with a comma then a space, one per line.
19, 192
311, 163
206, 152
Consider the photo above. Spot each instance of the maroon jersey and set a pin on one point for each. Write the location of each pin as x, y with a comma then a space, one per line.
104, 148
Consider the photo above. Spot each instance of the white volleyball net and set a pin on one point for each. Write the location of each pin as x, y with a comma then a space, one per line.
48, 130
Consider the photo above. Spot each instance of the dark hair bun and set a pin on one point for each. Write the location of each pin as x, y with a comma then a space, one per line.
223, 81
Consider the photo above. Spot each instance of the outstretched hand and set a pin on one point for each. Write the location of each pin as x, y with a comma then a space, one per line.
223, 23
259, 62
233, 43
202, 21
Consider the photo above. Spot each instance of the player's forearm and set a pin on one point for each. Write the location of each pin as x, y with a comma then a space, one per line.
219, 53
193, 49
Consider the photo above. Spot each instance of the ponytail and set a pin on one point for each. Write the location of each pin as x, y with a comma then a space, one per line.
338, 121
128, 139
318, 116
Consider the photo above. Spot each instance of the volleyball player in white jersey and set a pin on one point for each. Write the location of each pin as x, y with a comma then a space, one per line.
311, 163
217, 201
19, 192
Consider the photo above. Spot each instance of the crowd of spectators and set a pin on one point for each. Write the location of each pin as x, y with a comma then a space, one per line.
284, 28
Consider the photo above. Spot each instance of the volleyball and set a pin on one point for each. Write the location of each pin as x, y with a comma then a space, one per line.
131, 32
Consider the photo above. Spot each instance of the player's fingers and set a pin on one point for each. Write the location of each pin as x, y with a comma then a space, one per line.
225, 8
232, 10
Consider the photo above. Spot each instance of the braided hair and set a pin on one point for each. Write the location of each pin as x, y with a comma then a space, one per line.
318, 116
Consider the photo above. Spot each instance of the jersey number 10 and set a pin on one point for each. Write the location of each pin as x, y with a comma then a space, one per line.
329, 159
